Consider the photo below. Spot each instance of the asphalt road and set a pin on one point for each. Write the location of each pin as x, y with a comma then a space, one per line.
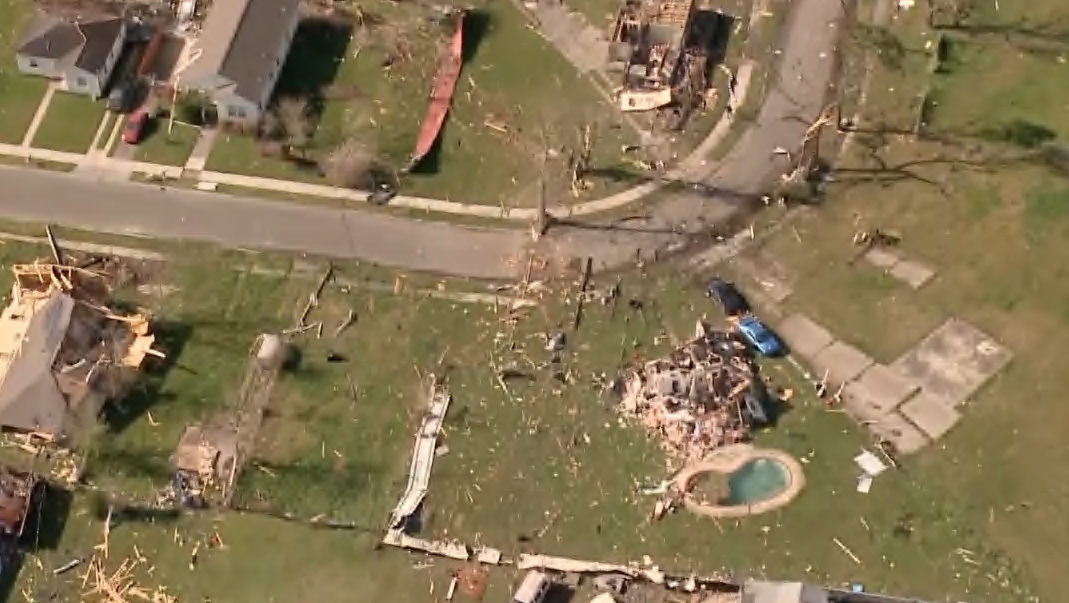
795, 98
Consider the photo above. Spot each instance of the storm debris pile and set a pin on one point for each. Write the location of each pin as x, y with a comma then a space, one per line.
701, 396
65, 349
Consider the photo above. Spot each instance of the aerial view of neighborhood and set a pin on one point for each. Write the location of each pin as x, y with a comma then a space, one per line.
534, 301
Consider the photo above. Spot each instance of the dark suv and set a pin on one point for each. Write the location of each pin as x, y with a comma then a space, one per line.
124, 97
729, 298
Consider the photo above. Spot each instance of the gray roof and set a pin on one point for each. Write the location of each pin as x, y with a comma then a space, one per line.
50, 37
82, 42
100, 38
30, 398
238, 39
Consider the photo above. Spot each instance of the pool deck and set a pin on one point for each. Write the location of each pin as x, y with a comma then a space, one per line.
730, 459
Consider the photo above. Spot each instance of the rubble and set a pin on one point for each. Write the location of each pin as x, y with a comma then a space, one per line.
66, 350
698, 398
423, 455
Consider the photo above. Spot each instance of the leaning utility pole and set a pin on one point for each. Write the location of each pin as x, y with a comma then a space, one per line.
809, 158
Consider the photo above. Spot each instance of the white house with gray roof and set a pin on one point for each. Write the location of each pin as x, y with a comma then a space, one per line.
80, 52
239, 55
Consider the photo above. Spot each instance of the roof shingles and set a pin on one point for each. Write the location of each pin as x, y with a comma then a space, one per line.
85, 43
239, 41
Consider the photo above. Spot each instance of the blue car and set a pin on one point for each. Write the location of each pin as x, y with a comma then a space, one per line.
760, 337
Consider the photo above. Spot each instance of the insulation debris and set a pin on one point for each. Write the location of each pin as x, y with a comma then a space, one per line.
701, 396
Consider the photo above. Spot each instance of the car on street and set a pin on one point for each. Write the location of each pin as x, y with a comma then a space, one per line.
135, 127
760, 337
728, 296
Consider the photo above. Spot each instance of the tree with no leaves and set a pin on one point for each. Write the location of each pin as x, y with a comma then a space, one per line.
295, 120
351, 164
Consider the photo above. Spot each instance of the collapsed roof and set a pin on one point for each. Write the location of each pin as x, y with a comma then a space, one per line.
58, 340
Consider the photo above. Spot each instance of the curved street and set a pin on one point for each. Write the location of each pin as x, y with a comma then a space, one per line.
793, 98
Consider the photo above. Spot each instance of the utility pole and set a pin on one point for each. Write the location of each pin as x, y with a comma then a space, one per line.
541, 224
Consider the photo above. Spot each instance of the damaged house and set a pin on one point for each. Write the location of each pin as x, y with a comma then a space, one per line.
667, 50
62, 349
703, 395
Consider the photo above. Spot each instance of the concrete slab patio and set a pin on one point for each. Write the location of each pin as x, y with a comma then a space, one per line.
842, 362
933, 415
912, 273
953, 361
804, 336
876, 393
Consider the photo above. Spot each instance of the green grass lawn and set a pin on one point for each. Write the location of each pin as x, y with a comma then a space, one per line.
19, 94
512, 77
70, 123
543, 458
982, 199
172, 148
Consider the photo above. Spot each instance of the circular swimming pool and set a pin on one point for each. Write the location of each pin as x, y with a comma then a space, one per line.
755, 481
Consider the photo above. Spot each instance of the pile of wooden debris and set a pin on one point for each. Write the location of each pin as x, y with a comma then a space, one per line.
121, 586
701, 396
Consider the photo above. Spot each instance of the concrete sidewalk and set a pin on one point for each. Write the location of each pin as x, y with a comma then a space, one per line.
806, 62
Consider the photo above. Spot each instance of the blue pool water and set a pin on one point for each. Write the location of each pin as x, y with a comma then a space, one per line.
757, 480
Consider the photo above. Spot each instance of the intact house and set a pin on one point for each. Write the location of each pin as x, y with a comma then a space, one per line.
80, 52
239, 55
63, 350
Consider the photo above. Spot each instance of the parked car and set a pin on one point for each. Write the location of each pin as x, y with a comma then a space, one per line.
134, 128
730, 299
760, 337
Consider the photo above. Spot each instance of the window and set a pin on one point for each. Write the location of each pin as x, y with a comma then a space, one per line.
33, 63
235, 112
80, 82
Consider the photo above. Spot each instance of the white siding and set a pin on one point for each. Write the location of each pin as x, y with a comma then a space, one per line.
38, 66
236, 110
82, 82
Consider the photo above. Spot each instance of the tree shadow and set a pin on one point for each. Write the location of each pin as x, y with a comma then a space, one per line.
317, 52
171, 338
1044, 39
1020, 133
12, 567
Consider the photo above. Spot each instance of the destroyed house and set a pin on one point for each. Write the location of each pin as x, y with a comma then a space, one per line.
58, 344
647, 37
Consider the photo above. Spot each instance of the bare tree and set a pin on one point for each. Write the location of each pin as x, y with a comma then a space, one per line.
271, 127
350, 165
295, 117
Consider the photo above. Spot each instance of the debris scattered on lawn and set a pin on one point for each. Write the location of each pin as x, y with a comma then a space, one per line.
871, 466
472, 581
846, 550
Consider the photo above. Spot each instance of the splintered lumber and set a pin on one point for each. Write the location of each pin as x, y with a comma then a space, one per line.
588, 267
846, 551
57, 253
345, 324
313, 297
